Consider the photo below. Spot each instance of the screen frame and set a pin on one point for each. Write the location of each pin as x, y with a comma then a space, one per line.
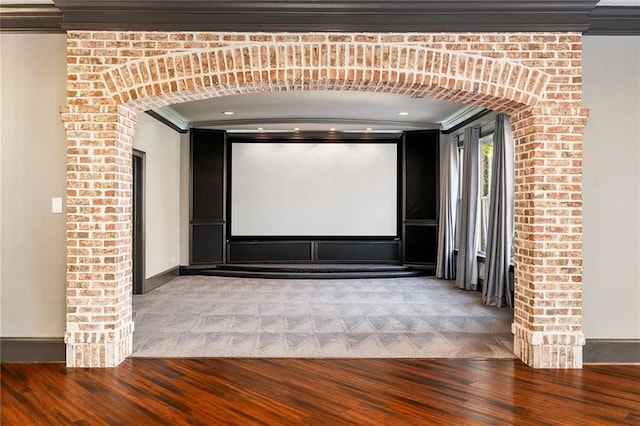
315, 138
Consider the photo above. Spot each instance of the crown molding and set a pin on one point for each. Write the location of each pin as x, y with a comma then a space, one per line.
464, 115
33, 18
322, 15
171, 118
615, 20
284, 121
327, 15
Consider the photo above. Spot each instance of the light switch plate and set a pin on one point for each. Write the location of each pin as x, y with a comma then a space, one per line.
56, 205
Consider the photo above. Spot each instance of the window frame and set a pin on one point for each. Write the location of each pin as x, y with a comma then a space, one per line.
485, 170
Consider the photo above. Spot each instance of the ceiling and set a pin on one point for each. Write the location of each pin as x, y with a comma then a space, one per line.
317, 111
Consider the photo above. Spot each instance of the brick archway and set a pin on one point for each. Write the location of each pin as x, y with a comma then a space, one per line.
533, 77
397, 68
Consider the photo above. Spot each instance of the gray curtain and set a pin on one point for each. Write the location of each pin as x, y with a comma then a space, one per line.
446, 267
496, 290
467, 264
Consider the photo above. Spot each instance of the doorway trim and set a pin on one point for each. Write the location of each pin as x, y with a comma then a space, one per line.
138, 254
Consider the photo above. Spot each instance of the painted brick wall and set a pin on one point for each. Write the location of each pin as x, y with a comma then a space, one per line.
534, 77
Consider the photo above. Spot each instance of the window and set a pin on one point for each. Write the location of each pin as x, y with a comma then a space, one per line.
486, 162
474, 226
484, 181
459, 195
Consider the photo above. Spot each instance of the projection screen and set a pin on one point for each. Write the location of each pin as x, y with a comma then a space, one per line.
314, 189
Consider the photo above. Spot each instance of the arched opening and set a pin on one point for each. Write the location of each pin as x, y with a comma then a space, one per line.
100, 123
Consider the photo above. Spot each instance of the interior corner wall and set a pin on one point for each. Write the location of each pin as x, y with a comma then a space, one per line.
161, 145
33, 168
611, 188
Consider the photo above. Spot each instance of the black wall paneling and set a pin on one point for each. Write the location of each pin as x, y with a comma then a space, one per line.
207, 175
208, 205
314, 251
211, 242
421, 244
270, 251
421, 176
420, 195
358, 251
311, 249
207, 243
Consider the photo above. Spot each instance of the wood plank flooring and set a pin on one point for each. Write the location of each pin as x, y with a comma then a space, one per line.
319, 392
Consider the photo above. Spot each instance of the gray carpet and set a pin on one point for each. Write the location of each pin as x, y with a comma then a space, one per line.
419, 317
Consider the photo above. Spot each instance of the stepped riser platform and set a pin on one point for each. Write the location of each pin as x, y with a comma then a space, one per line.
308, 271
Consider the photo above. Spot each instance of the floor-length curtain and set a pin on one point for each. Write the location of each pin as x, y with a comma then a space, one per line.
467, 264
446, 267
496, 289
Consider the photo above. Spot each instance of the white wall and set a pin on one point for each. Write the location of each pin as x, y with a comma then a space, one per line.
162, 193
611, 192
32, 147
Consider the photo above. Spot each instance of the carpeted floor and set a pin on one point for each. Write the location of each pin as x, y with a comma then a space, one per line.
419, 317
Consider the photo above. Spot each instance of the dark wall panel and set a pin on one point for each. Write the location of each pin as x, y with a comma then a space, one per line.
421, 175
208, 233
421, 244
359, 251
207, 175
418, 198
276, 251
421, 181
207, 244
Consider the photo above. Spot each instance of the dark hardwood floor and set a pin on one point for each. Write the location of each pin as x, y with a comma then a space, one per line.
319, 392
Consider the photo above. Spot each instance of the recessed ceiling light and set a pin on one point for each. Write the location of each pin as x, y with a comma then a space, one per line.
403, 113
333, 129
369, 129
228, 112
260, 129
295, 129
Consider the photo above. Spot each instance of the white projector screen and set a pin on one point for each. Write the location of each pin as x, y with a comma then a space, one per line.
314, 189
